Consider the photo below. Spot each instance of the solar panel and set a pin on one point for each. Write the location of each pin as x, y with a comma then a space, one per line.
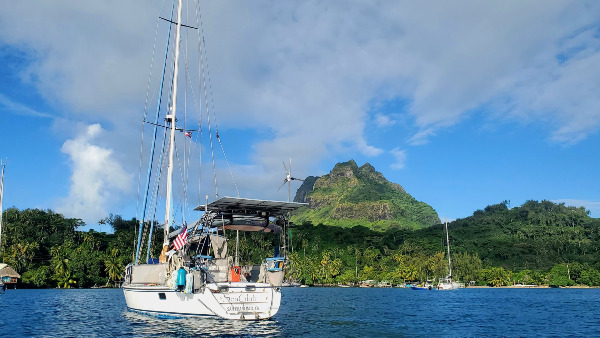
237, 205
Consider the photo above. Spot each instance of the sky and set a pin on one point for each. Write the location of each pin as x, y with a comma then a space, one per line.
463, 103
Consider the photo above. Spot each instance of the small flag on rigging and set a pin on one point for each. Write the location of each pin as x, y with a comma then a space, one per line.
181, 238
188, 134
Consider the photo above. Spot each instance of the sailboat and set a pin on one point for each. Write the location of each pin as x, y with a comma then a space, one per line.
447, 283
198, 273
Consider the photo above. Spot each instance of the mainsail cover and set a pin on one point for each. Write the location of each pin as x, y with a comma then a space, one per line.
219, 245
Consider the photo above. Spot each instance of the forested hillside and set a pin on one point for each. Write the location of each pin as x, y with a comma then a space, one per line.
48, 251
536, 243
536, 235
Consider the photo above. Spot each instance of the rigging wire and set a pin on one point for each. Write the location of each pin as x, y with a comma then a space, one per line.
162, 152
181, 168
228, 166
197, 108
202, 56
185, 92
153, 181
200, 33
162, 164
156, 188
188, 146
146, 113
142, 141
146, 230
192, 148
153, 141
212, 153
212, 103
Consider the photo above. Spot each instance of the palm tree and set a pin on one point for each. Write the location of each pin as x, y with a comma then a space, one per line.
19, 255
114, 266
62, 270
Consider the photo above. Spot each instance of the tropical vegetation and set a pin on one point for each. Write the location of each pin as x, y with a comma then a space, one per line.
48, 250
535, 243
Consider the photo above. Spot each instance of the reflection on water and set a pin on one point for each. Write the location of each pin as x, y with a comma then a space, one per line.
102, 313
143, 325
318, 312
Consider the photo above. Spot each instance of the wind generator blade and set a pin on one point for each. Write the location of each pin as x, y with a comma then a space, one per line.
282, 184
285, 167
296, 179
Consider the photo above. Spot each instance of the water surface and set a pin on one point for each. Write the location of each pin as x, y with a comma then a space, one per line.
318, 312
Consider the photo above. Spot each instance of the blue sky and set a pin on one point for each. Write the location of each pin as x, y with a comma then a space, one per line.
464, 104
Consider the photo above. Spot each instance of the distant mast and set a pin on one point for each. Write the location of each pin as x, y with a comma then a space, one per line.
1, 196
448, 245
171, 119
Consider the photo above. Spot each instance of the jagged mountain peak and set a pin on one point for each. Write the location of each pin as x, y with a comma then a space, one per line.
350, 171
344, 169
355, 193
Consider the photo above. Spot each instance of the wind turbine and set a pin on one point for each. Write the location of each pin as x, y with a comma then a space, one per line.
288, 178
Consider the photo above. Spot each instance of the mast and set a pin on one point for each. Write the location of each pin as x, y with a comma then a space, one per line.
448, 245
1, 195
171, 119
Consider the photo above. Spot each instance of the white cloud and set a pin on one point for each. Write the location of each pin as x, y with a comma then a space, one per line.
306, 73
92, 63
399, 157
18, 108
506, 51
97, 178
566, 95
422, 137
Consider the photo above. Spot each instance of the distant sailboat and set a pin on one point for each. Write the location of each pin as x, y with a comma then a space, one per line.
447, 283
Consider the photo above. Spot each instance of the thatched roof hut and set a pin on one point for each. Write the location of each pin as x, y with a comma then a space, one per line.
8, 274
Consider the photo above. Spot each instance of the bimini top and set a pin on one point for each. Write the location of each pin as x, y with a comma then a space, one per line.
248, 206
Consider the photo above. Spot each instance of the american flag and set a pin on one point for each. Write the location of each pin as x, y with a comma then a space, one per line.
188, 134
181, 238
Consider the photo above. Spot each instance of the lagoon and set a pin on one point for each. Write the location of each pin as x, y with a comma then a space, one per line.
318, 312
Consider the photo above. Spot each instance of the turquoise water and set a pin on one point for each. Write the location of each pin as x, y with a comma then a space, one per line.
319, 312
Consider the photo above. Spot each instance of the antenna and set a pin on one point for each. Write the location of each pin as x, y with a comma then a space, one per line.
288, 178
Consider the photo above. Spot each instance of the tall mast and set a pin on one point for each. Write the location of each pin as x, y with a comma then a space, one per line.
448, 245
171, 119
1, 195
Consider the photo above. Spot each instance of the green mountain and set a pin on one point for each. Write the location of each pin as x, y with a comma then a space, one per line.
350, 195
535, 235
535, 243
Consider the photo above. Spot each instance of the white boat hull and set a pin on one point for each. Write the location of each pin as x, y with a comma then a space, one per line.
242, 301
449, 286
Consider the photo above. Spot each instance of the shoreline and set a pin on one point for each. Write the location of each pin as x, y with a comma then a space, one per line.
531, 287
